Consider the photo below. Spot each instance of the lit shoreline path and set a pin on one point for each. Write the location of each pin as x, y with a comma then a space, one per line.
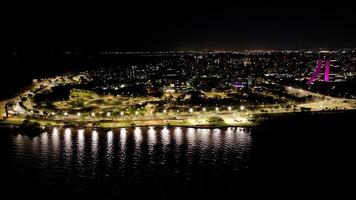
230, 117
238, 115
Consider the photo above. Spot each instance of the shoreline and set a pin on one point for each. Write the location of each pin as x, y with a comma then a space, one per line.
10, 125
258, 120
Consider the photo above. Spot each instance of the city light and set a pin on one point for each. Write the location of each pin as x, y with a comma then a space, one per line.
170, 90
166, 102
150, 103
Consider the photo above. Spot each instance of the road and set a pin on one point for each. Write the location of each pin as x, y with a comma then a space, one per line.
234, 117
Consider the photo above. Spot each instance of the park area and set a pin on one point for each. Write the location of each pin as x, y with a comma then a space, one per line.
50, 102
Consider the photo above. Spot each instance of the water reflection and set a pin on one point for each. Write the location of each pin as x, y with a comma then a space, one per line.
165, 136
134, 146
204, 137
123, 136
178, 135
243, 139
20, 142
109, 146
191, 137
151, 137
55, 141
35, 144
68, 142
44, 143
81, 144
138, 136
216, 137
94, 144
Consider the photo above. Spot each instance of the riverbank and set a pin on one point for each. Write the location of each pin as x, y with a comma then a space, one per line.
81, 124
257, 120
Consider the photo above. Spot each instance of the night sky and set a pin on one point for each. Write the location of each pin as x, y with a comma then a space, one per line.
32, 34
219, 25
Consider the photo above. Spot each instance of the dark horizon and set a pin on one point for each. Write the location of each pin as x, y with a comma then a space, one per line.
180, 26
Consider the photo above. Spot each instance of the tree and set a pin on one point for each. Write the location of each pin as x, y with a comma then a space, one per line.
215, 120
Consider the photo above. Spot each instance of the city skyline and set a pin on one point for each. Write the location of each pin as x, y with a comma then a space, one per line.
177, 100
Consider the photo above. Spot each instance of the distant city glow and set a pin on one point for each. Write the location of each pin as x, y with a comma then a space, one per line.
194, 93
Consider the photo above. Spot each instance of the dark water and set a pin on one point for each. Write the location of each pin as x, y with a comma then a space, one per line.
157, 162
181, 163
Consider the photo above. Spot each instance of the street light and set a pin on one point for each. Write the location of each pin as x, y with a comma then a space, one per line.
65, 114
191, 110
78, 113
229, 108
204, 109
93, 114
164, 111
242, 107
108, 114
216, 108
122, 113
